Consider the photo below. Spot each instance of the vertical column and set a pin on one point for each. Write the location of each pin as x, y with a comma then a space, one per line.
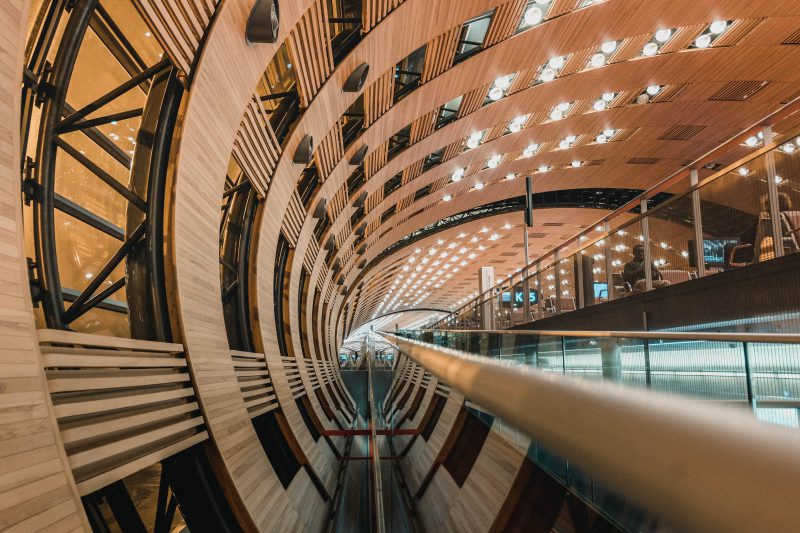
485, 282
557, 273
526, 284
609, 266
772, 191
648, 265
611, 356
698, 226
539, 290
580, 286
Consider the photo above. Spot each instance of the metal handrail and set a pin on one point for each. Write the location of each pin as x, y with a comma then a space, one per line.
698, 466
656, 335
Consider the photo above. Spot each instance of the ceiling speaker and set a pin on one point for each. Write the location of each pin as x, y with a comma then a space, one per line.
355, 81
319, 210
263, 23
359, 156
304, 152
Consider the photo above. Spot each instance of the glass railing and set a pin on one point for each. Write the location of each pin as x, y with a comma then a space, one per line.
720, 221
746, 371
757, 371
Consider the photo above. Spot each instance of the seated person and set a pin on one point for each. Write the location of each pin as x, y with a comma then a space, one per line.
633, 274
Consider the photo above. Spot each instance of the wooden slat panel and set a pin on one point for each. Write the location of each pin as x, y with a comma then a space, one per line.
452, 150
504, 22
737, 31
422, 126
254, 381
376, 159
561, 7
337, 202
373, 200
440, 53
373, 11
378, 97
256, 149
411, 172
682, 38
330, 151
113, 384
523, 80
178, 28
293, 219
309, 45
473, 100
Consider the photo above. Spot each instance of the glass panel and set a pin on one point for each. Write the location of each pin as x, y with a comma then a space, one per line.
627, 270
736, 223
671, 230
787, 178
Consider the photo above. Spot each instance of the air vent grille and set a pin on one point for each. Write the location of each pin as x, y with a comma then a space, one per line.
738, 91
593, 162
681, 132
553, 224
537, 235
643, 160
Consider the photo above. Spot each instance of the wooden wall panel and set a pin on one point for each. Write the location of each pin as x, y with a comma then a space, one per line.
256, 149
222, 89
179, 26
37, 491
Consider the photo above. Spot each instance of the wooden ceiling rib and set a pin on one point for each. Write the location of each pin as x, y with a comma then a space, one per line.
256, 149
378, 97
178, 27
310, 49
504, 22
440, 53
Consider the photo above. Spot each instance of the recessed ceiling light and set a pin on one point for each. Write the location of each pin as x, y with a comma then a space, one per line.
653, 90
718, 26
650, 49
608, 47
663, 36
703, 41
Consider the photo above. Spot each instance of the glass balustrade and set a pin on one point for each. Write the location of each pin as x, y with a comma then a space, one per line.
719, 221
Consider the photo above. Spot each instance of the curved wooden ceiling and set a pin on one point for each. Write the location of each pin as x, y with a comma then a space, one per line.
700, 103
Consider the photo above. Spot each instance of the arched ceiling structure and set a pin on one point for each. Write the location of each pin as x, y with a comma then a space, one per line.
701, 95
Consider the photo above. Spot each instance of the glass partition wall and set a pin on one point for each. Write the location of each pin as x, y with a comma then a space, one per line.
724, 222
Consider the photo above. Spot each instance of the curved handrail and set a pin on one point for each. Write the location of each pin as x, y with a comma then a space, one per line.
656, 335
699, 467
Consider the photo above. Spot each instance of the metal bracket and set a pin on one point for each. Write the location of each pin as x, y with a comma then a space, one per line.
37, 291
43, 87
30, 188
